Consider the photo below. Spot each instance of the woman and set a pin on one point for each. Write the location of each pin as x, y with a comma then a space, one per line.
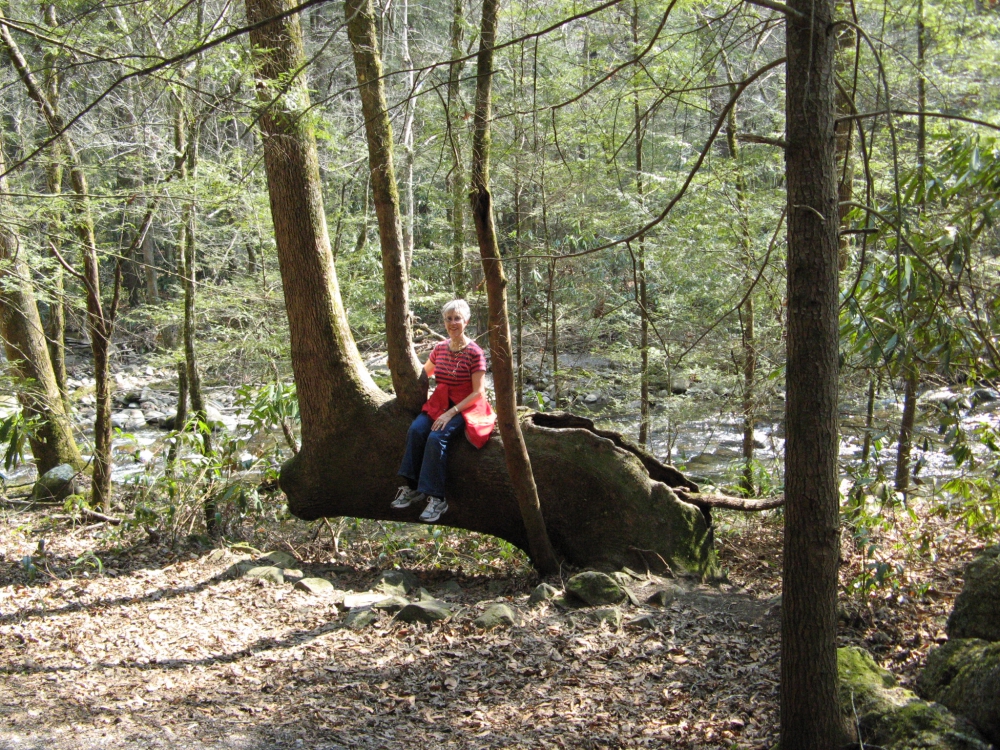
459, 401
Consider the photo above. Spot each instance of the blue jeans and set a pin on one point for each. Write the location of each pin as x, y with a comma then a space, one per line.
426, 457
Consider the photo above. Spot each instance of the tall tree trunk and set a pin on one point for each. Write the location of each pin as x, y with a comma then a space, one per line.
409, 113
911, 368
607, 503
456, 177
844, 61
55, 328
403, 363
810, 716
24, 342
640, 259
518, 463
100, 322
746, 311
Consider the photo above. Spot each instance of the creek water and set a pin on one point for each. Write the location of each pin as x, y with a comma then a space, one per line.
697, 431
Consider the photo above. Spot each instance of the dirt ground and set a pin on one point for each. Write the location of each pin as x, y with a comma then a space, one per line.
154, 646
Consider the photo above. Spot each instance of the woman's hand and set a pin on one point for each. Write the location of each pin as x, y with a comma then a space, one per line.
444, 419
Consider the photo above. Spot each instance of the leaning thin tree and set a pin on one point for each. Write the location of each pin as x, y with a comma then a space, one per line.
606, 502
516, 454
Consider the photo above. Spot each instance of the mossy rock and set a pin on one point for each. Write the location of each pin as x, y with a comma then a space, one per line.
496, 615
55, 485
892, 717
596, 589
977, 608
964, 675
543, 592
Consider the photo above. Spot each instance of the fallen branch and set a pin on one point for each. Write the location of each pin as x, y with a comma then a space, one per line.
96, 516
730, 502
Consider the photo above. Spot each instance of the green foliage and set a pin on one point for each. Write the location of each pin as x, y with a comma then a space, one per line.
14, 433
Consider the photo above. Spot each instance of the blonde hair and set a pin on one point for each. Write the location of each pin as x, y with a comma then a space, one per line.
458, 305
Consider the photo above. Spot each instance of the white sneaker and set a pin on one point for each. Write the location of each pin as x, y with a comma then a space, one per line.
436, 507
406, 497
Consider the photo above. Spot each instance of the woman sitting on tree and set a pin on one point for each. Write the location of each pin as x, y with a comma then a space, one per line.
459, 400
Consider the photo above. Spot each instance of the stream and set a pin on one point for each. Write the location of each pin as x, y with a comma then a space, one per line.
695, 430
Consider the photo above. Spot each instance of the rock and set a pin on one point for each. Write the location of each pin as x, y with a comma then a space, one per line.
128, 420
642, 622
663, 596
977, 606
360, 618
496, 615
364, 599
611, 615
679, 384
314, 585
425, 611
543, 592
591, 398
400, 582
217, 555
293, 574
595, 588
985, 396
964, 675
391, 604
622, 578
893, 717
56, 484
450, 588
266, 573
278, 559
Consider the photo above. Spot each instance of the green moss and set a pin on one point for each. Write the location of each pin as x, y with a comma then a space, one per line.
891, 716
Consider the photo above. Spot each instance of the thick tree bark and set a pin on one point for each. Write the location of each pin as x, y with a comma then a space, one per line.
404, 366
100, 323
810, 717
518, 463
24, 342
601, 505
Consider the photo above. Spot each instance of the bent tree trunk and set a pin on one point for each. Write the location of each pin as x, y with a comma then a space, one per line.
601, 506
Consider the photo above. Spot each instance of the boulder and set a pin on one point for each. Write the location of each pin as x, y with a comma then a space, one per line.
391, 604
611, 615
892, 717
663, 596
364, 599
596, 589
450, 588
279, 559
964, 675
266, 573
397, 582
496, 615
977, 607
642, 622
360, 618
56, 484
425, 611
543, 592
314, 585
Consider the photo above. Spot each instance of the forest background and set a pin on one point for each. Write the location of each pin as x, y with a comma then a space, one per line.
659, 124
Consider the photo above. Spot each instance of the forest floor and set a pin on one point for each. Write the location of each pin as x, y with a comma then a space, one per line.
156, 647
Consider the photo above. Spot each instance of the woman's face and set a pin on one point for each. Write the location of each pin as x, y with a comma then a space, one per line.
455, 324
